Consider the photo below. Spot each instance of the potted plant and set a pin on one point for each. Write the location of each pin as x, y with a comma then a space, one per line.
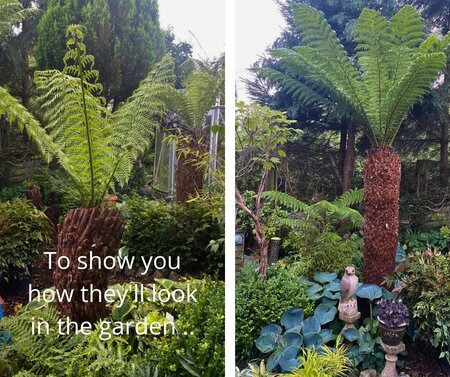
393, 317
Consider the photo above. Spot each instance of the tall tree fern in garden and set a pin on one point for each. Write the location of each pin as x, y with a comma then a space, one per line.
97, 149
202, 90
394, 68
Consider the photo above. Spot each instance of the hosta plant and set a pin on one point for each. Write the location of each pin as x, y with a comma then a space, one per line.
299, 332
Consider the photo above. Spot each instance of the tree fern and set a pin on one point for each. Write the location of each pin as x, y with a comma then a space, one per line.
94, 146
12, 12
394, 67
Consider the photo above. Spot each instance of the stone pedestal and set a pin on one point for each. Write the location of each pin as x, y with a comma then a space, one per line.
349, 320
390, 369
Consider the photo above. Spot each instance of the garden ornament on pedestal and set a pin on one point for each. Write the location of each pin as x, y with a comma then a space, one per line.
393, 317
274, 250
348, 306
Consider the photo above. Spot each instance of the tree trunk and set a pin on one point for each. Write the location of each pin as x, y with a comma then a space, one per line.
263, 247
349, 161
382, 174
342, 147
443, 161
83, 230
189, 175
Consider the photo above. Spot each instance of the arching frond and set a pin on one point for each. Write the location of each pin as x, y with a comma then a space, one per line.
396, 67
134, 123
286, 200
18, 114
12, 12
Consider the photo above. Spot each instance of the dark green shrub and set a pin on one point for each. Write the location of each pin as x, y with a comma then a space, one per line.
158, 228
260, 302
434, 239
24, 234
426, 292
200, 342
322, 249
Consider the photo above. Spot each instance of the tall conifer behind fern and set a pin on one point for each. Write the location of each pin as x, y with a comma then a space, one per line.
394, 68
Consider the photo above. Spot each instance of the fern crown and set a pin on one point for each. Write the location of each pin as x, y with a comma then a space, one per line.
394, 68
95, 147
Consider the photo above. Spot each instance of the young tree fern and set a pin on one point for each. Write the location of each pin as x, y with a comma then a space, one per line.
95, 147
393, 69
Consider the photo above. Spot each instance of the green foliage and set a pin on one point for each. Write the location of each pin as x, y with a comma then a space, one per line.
395, 67
198, 349
158, 228
126, 36
199, 341
329, 362
260, 302
24, 234
321, 238
93, 146
435, 240
426, 292
254, 370
11, 12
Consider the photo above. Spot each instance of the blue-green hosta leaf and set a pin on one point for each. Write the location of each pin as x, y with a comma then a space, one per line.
400, 255
369, 291
325, 277
353, 351
332, 295
311, 325
351, 334
293, 319
328, 301
289, 360
271, 329
313, 290
304, 280
312, 340
291, 339
333, 286
267, 342
325, 313
326, 335
273, 361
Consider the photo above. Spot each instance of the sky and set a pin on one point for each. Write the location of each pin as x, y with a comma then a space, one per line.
258, 24
198, 22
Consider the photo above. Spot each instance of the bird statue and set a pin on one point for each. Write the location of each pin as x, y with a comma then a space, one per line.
349, 283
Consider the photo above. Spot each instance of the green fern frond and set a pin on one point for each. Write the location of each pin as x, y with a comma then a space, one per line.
286, 200
396, 67
350, 198
12, 12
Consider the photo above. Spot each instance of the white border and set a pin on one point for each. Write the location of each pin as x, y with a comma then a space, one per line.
230, 84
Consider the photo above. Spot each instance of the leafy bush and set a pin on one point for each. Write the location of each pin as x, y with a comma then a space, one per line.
198, 345
158, 228
260, 302
24, 233
434, 239
426, 293
322, 249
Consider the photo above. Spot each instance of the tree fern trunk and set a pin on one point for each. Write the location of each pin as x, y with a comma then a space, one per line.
189, 175
83, 230
382, 173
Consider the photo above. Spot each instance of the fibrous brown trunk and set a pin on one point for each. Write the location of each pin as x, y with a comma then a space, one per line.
189, 175
34, 195
349, 161
382, 174
443, 161
84, 230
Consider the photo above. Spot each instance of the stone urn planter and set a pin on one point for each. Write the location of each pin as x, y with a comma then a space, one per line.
394, 318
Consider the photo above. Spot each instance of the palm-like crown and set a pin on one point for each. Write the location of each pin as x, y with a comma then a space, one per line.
394, 67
